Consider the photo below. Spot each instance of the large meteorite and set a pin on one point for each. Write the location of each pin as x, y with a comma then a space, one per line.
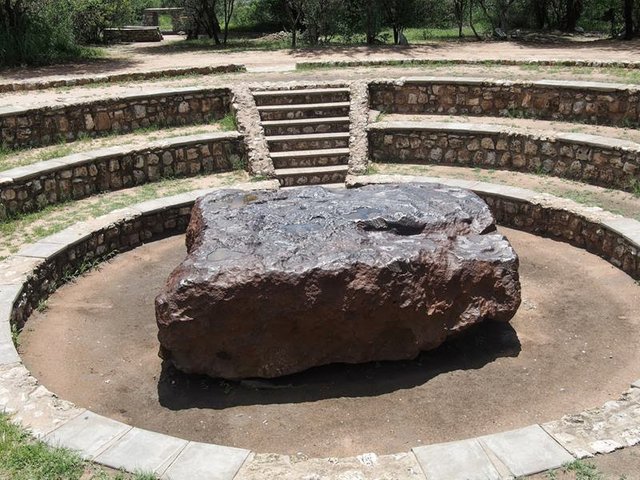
277, 282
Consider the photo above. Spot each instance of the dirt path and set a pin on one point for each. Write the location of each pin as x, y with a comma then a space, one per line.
567, 350
157, 56
99, 91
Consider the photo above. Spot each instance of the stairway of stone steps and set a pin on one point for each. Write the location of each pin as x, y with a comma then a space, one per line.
307, 131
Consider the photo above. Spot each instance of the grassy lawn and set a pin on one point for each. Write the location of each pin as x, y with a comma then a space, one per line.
23, 458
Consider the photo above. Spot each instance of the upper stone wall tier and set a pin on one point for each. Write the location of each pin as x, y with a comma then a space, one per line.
49, 125
602, 161
587, 102
33, 187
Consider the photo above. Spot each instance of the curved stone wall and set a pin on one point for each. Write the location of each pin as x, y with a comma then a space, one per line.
601, 161
588, 102
37, 270
77, 176
48, 125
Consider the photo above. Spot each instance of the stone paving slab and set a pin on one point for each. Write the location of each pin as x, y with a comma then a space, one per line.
88, 434
42, 249
401, 466
200, 461
16, 269
8, 353
526, 451
31, 405
600, 430
8, 296
34, 170
463, 460
627, 227
142, 450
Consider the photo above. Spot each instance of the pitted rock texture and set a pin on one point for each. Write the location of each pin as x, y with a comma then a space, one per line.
277, 282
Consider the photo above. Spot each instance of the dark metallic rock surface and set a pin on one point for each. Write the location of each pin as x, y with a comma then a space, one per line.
277, 282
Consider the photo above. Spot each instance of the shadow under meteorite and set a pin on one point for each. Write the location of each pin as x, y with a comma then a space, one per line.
473, 349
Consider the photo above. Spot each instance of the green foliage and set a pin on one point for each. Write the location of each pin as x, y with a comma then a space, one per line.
228, 123
91, 17
34, 32
24, 459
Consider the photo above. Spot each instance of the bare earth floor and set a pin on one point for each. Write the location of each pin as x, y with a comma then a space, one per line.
157, 56
571, 346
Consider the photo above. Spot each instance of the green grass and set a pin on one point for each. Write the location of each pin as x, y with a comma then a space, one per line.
228, 123
579, 470
24, 458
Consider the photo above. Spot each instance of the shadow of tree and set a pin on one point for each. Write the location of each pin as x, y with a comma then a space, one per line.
471, 350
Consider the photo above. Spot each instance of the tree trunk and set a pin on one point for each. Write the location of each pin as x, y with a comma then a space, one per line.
294, 36
573, 12
371, 30
628, 19
471, 25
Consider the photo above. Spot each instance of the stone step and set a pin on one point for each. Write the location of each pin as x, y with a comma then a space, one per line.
312, 141
308, 95
295, 177
310, 158
307, 110
306, 126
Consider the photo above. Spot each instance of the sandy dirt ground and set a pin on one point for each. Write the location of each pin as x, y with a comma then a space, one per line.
58, 96
157, 56
571, 346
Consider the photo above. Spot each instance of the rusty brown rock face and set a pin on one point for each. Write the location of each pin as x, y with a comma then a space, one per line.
277, 282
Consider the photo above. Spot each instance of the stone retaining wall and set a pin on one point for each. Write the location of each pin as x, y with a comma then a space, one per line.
119, 77
606, 162
599, 103
49, 125
33, 187
132, 34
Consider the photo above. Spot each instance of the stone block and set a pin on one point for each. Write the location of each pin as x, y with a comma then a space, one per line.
88, 434
142, 450
526, 451
199, 461
463, 460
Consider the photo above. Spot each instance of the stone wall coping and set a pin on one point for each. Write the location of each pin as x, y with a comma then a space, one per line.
74, 80
488, 129
26, 172
479, 81
523, 451
12, 110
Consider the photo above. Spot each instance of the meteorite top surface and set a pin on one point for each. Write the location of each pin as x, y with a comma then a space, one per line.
316, 227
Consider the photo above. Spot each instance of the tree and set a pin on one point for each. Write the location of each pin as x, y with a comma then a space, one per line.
572, 12
399, 14
203, 16
321, 20
628, 19
459, 12
295, 11
496, 11
227, 14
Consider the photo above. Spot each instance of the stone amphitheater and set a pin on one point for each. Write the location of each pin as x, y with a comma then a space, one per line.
293, 133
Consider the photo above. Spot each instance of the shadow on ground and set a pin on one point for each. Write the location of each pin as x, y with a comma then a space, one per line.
472, 350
